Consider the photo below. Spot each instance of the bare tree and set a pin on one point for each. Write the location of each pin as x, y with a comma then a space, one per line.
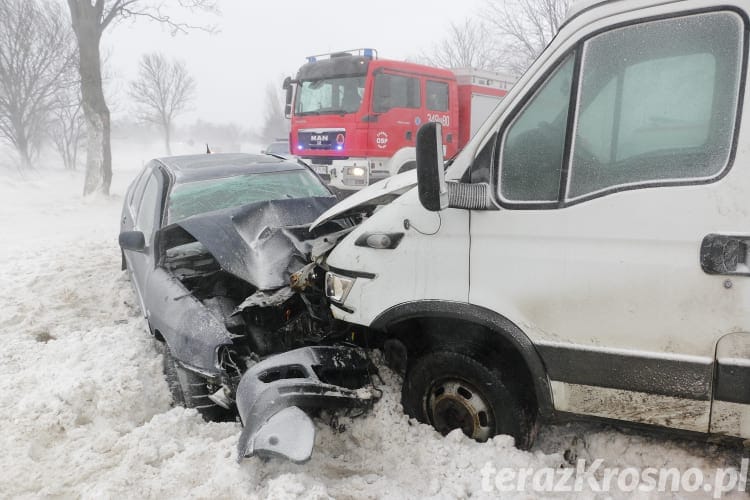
90, 21
467, 45
524, 28
36, 52
163, 90
275, 125
67, 127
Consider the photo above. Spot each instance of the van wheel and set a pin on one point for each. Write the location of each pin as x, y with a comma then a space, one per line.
189, 389
450, 390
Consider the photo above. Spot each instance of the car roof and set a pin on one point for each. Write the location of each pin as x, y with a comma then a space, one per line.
191, 168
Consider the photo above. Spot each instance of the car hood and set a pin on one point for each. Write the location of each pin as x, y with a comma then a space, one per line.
261, 243
380, 193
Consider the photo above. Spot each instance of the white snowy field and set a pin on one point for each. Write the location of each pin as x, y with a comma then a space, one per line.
85, 412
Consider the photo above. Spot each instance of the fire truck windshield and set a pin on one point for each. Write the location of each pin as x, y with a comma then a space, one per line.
330, 96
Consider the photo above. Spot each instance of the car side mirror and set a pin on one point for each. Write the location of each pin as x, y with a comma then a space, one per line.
433, 190
132, 240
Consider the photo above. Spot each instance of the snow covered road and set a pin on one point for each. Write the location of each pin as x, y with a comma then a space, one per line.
85, 412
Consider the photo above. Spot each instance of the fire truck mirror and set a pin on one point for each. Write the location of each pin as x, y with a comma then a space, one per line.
289, 93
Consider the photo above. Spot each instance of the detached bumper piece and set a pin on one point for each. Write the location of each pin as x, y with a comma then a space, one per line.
272, 395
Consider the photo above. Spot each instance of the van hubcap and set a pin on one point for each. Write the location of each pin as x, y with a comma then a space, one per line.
455, 404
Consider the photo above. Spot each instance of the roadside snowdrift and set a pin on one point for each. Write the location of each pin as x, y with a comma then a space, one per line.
84, 409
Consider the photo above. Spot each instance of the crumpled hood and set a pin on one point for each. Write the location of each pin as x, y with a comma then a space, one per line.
261, 243
380, 193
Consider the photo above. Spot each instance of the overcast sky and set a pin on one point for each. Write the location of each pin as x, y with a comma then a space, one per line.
264, 41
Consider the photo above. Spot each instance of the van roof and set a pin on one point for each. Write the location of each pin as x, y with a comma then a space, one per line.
580, 6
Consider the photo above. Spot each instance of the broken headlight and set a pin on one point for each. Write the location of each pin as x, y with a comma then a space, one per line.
338, 287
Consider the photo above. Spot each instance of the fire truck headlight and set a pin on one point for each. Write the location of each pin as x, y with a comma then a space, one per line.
356, 171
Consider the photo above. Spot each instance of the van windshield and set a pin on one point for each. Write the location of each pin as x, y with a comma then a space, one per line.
330, 95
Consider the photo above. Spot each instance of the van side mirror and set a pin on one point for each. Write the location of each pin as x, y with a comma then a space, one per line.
289, 94
433, 190
132, 240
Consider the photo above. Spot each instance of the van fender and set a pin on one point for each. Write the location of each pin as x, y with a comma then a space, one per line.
491, 320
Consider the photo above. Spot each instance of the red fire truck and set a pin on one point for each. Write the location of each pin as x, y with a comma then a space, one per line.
354, 117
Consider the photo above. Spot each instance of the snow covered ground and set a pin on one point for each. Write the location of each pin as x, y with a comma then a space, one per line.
85, 412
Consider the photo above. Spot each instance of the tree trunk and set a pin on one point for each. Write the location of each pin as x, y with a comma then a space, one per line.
23, 153
167, 138
88, 30
22, 146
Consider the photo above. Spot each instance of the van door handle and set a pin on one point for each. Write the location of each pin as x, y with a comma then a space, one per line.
724, 254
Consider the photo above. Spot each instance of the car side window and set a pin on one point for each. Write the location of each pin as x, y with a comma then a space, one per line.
396, 91
437, 95
137, 193
532, 149
149, 208
657, 103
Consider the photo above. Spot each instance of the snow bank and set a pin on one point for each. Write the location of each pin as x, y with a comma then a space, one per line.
85, 412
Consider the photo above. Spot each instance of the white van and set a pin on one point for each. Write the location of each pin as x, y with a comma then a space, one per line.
588, 252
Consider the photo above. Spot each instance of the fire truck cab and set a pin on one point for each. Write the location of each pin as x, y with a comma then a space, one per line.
354, 117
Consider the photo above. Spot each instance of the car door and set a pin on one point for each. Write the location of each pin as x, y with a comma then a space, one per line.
610, 176
148, 221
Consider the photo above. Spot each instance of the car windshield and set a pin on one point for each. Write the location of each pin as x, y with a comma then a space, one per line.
204, 196
278, 148
330, 95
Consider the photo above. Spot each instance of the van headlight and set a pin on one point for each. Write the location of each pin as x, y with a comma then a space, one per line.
338, 287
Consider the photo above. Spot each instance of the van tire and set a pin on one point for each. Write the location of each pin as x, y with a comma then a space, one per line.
450, 390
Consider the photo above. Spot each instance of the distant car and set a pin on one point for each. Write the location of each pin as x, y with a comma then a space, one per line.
210, 243
280, 148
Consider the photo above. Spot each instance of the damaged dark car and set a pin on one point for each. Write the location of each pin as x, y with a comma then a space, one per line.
218, 249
